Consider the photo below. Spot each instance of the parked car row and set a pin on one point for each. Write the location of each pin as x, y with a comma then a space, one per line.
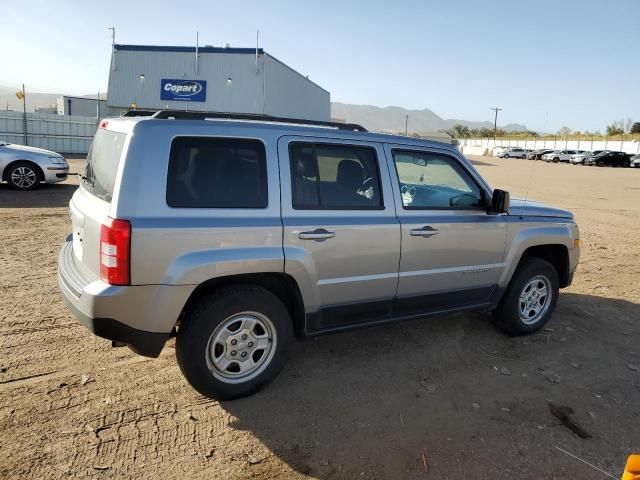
600, 158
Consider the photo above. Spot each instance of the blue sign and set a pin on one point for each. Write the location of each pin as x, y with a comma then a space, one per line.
183, 90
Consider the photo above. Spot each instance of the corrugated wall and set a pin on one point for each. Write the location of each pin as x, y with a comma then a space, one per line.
289, 94
62, 134
136, 76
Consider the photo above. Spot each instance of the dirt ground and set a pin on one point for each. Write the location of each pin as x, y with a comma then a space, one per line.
446, 397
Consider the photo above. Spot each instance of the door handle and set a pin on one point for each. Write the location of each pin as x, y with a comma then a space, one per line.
319, 235
424, 232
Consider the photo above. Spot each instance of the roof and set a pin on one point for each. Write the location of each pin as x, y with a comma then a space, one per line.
297, 129
82, 98
183, 49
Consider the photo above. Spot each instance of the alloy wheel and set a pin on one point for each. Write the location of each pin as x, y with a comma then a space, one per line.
535, 299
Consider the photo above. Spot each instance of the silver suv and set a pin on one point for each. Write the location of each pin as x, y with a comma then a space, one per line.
236, 234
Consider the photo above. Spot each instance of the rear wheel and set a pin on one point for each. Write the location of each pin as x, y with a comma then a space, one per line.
24, 176
235, 342
530, 298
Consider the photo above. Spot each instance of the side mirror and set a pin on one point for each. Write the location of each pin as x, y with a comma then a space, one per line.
500, 201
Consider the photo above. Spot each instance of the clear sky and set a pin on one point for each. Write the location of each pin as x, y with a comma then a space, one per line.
547, 63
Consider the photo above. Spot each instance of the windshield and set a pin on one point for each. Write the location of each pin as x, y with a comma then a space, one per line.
103, 159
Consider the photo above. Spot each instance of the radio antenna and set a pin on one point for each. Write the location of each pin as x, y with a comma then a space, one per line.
526, 195
535, 145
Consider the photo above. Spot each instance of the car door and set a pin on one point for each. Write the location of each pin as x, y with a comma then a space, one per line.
341, 235
452, 250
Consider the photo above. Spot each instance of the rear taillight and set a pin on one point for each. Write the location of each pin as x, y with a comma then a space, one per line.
115, 243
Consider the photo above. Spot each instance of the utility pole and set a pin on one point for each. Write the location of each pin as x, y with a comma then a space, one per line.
495, 124
113, 47
406, 125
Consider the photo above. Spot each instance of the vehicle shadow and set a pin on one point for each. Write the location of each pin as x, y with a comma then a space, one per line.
45, 196
480, 163
452, 397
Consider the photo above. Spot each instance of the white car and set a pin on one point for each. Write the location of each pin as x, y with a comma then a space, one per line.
24, 168
579, 158
560, 155
514, 152
497, 151
634, 161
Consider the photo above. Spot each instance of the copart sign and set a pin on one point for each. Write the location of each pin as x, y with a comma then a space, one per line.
183, 90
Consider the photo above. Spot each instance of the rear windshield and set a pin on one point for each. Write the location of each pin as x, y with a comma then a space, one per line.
103, 158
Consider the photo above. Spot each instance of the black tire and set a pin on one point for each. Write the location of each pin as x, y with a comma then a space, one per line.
30, 169
506, 155
507, 315
556, 160
599, 163
202, 321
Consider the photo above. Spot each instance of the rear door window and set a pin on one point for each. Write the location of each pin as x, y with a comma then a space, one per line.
208, 172
102, 163
333, 177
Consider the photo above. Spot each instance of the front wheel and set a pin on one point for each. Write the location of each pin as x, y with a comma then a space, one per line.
234, 342
23, 176
530, 298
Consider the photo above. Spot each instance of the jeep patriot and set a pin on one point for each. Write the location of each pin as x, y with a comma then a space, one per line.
238, 233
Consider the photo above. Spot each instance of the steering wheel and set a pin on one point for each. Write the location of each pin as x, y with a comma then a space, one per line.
366, 189
457, 200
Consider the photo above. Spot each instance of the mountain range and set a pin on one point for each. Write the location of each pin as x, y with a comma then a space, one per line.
392, 119
383, 119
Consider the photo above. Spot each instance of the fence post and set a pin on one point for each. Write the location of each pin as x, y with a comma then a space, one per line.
24, 115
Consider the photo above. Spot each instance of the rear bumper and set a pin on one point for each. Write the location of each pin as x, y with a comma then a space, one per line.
141, 317
147, 344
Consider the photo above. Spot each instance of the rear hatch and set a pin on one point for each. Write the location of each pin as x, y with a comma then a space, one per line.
90, 205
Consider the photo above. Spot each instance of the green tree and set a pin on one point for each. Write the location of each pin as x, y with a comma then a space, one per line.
635, 128
460, 131
564, 132
614, 129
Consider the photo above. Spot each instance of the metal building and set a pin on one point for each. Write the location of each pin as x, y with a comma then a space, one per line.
83, 106
220, 79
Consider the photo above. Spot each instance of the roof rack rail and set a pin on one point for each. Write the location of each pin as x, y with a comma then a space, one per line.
193, 115
138, 113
